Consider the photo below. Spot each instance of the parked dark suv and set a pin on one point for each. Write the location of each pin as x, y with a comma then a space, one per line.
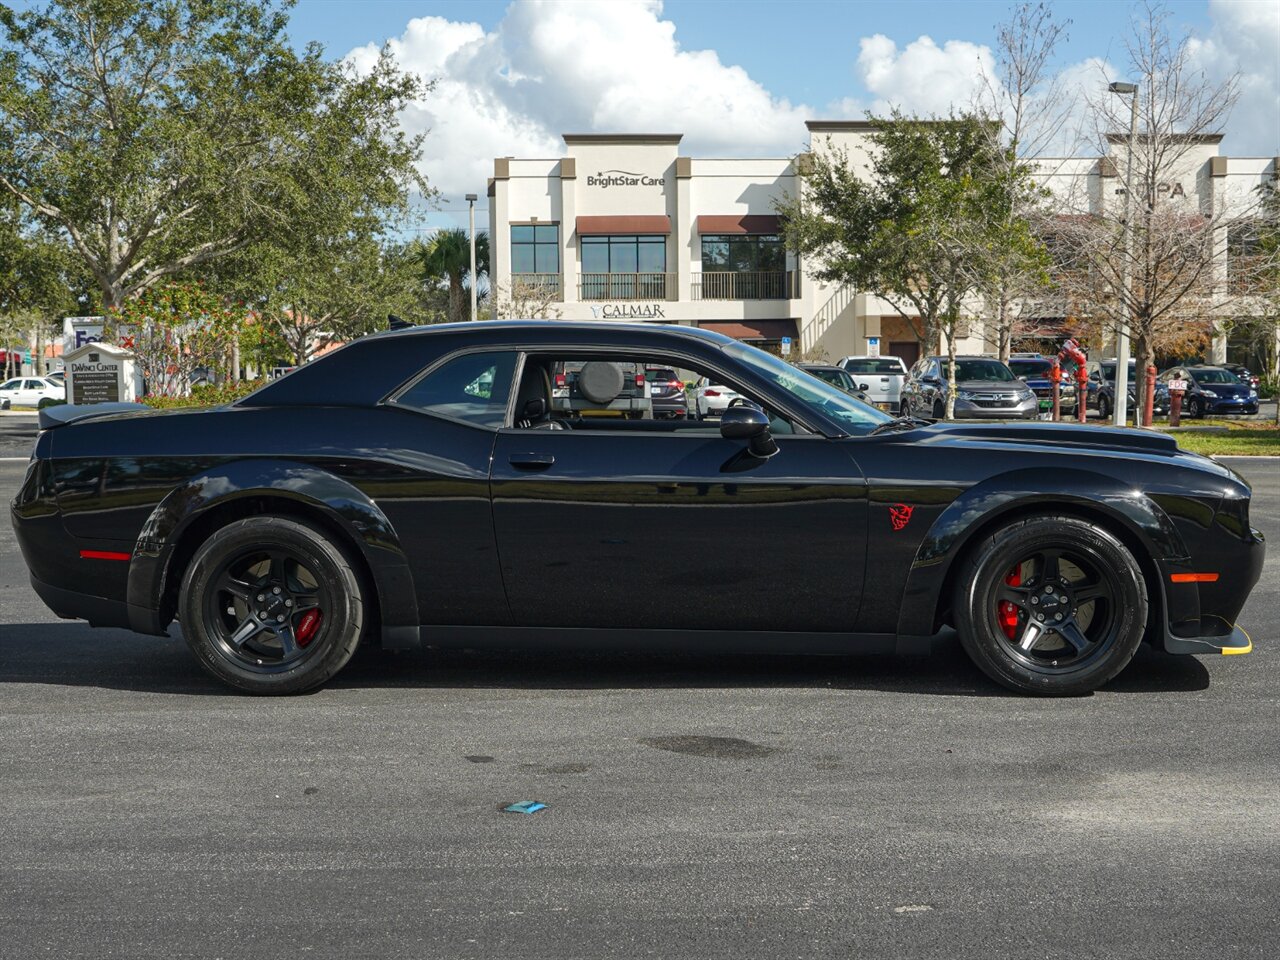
1102, 390
985, 388
1213, 390
1034, 371
666, 391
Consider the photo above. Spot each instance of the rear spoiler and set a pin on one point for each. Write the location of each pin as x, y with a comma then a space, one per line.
64, 413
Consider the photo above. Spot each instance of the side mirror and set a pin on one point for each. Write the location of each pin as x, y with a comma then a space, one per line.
752, 425
863, 386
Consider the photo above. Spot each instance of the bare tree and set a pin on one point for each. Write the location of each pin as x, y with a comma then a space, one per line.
1165, 280
522, 300
1029, 112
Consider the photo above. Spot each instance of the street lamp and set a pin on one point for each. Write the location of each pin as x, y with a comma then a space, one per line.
471, 209
1121, 414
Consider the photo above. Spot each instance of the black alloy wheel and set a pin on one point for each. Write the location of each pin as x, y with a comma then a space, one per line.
271, 605
939, 410
1051, 605
1195, 408
1104, 408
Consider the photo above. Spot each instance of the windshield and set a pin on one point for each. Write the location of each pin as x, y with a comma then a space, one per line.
992, 371
808, 391
872, 365
1211, 375
1030, 368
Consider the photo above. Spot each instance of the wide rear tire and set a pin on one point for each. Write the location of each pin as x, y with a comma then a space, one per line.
1051, 605
272, 605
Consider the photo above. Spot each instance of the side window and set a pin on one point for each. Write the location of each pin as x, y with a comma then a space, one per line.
474, 388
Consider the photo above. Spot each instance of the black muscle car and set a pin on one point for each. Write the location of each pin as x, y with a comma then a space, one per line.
422, 487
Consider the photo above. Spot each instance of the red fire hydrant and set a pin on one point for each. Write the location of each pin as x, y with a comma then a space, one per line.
1055, 378
1071, 351
1148, 396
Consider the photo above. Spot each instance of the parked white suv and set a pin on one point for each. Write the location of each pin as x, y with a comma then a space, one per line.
883, 376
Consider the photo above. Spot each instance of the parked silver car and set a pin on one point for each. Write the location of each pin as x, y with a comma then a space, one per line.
883, 376
985, 389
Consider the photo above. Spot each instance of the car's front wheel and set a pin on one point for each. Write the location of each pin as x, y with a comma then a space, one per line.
1104, 408
1195, 408
1051, 605
271, 605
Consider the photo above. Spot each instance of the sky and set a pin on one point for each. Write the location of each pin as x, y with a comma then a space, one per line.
738, 77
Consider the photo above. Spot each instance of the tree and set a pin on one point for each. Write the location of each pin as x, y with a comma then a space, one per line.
1164, 279
447, 257
315, 291
1026, 102
522, 300
39, 283
159, 136
178, 333
905, 233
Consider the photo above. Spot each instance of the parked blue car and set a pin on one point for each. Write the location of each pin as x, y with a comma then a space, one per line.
1213, 390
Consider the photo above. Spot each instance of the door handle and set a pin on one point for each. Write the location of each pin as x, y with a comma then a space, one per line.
531, 461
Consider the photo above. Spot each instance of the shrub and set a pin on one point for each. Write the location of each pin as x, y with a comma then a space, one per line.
206, 395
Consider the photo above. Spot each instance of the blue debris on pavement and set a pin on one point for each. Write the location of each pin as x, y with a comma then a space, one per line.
524, 806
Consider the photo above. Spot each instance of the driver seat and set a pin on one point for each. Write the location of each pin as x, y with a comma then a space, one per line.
533, 401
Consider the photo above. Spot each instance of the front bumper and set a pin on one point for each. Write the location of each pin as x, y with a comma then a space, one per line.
1247, 407
973, 410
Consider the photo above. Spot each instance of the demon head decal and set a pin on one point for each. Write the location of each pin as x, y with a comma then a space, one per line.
900, 515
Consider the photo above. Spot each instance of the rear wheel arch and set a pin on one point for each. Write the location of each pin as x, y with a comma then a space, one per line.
249, 488
201, 527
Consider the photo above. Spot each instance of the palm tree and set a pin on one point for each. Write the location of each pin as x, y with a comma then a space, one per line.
447, 256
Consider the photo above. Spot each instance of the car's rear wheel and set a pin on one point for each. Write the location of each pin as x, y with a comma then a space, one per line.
271, 605
1104, 408
939, 410
1051, 605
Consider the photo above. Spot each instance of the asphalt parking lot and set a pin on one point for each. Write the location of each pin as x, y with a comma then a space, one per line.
697, 807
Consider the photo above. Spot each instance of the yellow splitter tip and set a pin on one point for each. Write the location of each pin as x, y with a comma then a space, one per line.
1231, 651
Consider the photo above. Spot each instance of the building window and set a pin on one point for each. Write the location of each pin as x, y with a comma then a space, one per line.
624, 267
535, 256
742, 267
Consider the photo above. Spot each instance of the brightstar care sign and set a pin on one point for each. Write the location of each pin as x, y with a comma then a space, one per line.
623, 178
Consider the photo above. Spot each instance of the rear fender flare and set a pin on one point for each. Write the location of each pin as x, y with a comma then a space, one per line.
340, 502
1017, 492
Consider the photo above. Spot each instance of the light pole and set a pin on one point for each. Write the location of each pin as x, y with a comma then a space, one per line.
1122, 328
471, 210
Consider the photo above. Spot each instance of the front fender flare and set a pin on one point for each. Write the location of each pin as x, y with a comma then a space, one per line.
339, 501
1008, 493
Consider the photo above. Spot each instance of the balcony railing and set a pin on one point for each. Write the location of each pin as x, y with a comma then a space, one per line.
538, 284
744, 285
627, 286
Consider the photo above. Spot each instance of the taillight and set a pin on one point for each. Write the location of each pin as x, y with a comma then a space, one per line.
561, 381
676, 385
639, 379
711, 393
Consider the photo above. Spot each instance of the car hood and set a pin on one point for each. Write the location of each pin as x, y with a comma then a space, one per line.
1227, 389
1074, 436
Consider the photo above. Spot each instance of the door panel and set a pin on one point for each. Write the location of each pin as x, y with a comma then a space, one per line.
677, 530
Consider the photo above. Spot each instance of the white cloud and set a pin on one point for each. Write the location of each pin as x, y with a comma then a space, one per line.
1245, 39
550, 68
922, 78
556, 66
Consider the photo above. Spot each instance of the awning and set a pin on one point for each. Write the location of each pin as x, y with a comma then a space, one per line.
740, 223
752, 329
587, 226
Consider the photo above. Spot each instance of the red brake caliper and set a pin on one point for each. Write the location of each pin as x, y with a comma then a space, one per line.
308, 626
1008, 611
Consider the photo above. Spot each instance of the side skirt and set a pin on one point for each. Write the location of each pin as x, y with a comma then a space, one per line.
672, 641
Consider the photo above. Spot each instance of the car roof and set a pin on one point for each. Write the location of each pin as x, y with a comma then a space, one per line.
397, 355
